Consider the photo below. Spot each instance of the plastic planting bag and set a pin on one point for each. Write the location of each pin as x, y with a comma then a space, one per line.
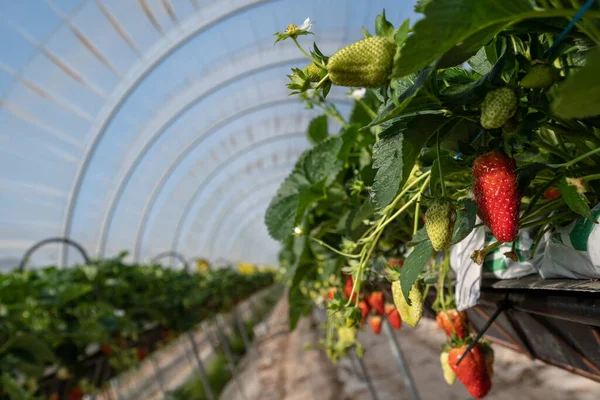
573, 251
496, 264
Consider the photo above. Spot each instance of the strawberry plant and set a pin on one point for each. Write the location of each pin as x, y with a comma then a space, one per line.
478, 109
50, 318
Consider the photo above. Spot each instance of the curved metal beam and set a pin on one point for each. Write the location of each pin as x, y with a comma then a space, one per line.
157, 54
44, 242
173, 254
122, 184
215, 173
218, 213
259, 200
230, 206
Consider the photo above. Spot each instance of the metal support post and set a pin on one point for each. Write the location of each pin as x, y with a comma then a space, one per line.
400, 361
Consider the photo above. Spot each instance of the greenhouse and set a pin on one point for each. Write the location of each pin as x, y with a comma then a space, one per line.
276, 199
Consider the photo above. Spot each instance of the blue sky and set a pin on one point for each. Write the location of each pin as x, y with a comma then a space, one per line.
65, 64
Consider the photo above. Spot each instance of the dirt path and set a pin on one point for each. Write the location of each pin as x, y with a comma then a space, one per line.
281, 368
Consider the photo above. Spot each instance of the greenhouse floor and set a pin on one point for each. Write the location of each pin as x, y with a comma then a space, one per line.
290, 366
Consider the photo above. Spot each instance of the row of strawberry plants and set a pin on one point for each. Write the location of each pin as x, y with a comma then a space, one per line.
53, 320
479, 120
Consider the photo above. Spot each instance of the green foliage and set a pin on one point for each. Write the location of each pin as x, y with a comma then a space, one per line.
413, 139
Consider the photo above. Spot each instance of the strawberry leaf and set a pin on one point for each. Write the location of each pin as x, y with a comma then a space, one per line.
12, 388
317, 130
579, 95
418, 237
465, 221
413, 265
574, 199
383, 27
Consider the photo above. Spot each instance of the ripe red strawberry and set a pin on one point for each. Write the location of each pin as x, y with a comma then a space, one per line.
472, 371
395, 262
106, 349
348, 288
75, 394
393, 316
165, 335
375, 322
497, 194
330, 293
552, 193
377, 301
365, 308
141, 354
453, 322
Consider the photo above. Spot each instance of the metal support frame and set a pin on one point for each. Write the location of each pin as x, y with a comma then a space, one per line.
225, 343
174, 254
365, 374
216, 171
401, 362
157, 55
234, 202
223, 208
44, 242
158, 132
201, 370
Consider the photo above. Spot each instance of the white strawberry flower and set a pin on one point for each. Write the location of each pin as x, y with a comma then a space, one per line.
306, 25
358, 94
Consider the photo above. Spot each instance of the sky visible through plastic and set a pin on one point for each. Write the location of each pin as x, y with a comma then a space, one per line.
155, 125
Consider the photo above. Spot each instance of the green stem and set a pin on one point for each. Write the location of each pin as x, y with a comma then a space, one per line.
322, 243
322, 81
546, 220
307, 55
368, 109
592, 177
440, 166
576, 160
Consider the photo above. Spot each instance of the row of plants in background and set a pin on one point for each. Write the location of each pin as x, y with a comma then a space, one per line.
512, 136
52, 320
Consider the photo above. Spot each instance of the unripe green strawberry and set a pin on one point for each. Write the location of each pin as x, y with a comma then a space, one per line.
366, 63
449, 375
411, 314
497, 107
440, 217
540, 76
312, 72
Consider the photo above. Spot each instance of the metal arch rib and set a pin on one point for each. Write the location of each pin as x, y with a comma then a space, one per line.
107, 221
109, 216
160, 51
215, 172
216, 216
232, 204
165, 177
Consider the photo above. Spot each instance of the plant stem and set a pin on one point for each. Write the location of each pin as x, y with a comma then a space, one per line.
576, 160
440, 166
322, 243
479, 255
592, 177
307, 55
546, 220
368, 109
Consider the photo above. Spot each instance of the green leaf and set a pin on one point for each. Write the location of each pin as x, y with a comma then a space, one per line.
527, 174
383, 27
448, 23
465, 50
402, 33
413, 265
365, 211
451, 168
418, 237
12, 388
349, 136
479, 62
575, 200
317, 130
40, 351
322, 161
74, 291
411, 85
465, 221
281, 216
579, 96
397, 151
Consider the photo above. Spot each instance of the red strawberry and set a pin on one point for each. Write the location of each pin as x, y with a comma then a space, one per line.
141, 354
364, 309
377, 301
54, 396
106, 349
348, 288
330, 293
165, 335
75, 394
453, 322
375, 322
393, 316
472, 371
551, 193
497, 194
395, 262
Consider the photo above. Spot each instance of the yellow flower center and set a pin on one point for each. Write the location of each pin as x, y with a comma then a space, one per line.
290, 28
